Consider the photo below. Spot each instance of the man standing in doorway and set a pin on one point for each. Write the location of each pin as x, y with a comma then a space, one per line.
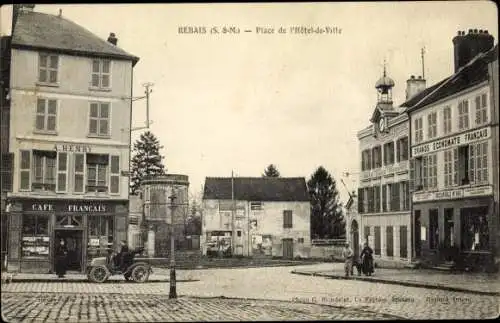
348, 255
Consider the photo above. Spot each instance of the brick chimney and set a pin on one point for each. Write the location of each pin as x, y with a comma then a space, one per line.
414, 86
112, 39
467, 46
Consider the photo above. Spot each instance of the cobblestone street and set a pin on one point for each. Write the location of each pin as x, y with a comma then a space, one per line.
270, 284
50, 307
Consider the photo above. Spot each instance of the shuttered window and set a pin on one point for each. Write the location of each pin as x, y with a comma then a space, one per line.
114, 175
403, 245
79, 173
389, 237
25, 170
377, 240
99, 119
7, 169
62, 172
287, 219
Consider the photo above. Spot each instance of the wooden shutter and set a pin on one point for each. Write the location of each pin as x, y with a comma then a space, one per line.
360, 200
389, 239
114, 175
79, 173
25, 170
62, 172
384, 198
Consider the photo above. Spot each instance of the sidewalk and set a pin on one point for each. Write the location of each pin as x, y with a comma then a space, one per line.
160, 276
477, 283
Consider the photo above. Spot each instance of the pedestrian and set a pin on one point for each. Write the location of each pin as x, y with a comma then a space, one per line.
122, 256
348, 255
367, 259
61, 258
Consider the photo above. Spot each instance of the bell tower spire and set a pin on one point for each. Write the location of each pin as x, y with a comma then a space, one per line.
384, 87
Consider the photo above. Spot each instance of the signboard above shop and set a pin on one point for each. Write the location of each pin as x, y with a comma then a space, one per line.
453, 194
451, 142
69, 206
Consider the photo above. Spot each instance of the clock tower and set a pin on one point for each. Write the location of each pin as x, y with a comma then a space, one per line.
384, 107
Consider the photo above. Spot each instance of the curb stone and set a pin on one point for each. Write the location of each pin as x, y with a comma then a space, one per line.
399, 282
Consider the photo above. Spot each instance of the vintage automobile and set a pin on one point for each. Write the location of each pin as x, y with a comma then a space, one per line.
101, 268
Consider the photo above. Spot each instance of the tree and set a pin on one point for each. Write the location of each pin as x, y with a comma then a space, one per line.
146, 160
326, 210
271, 171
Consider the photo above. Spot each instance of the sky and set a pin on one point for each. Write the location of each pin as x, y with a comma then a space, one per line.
239, 102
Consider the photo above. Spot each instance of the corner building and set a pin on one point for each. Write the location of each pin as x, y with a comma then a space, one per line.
69, 140
454, 161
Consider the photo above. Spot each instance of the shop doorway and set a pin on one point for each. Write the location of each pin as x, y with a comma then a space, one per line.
73, 240
288, 248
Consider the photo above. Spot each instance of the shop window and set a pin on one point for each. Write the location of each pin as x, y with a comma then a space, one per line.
377, 157
97, 173
377, 240
100, 235
433, 229
402, 149
44, 170
475, 232
35, 236
389, 237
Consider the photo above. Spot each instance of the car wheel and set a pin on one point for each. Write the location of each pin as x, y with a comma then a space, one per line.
98, 274
140, 274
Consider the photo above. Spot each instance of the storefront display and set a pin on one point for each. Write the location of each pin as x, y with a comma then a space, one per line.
35, 239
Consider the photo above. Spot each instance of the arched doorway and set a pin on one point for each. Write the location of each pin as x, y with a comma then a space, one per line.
355, 237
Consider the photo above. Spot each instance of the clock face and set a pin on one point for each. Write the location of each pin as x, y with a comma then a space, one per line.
381, 125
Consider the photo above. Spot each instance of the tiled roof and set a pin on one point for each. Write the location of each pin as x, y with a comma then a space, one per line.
473, 73
43, 31
257, 189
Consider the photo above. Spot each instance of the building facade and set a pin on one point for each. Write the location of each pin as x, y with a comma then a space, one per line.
383, 199
257, 216
454, 161
70, 95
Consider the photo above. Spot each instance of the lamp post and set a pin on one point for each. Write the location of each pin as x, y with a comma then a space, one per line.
173, 291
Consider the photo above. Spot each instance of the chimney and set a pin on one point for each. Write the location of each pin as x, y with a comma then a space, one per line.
467, 46
112, 39
414, 86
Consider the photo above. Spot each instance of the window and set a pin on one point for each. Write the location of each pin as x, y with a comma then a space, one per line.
389, 153
417, 174
361, 208
481, 109
99, 119
97, 170
419, 130
394, 197
35, 236
377, 157
44, 170
79, 173
433, 229
389, 241
48, 66
46, 113
300, 240
376, 201
255, 206
238, 233
463, 115
62, 172
100, 235
478, 161
431, 125
6, 171
367, 233
287, 219
463, 165
384, 198
429, 171
101, 73
446, 120
404, 196
402, 149
475, 231
450, 167
403, 243
370, 199
114, 180
377, 240
366, 161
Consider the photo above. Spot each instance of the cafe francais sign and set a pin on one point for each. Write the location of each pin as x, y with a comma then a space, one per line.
68, 206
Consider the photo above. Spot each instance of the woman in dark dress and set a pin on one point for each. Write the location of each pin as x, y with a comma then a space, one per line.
61, 258
367, 260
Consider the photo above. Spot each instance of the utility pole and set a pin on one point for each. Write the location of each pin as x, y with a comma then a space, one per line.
173, 289
233, 209
147, 91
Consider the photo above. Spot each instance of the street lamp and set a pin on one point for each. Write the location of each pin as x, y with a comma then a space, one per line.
173, 291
